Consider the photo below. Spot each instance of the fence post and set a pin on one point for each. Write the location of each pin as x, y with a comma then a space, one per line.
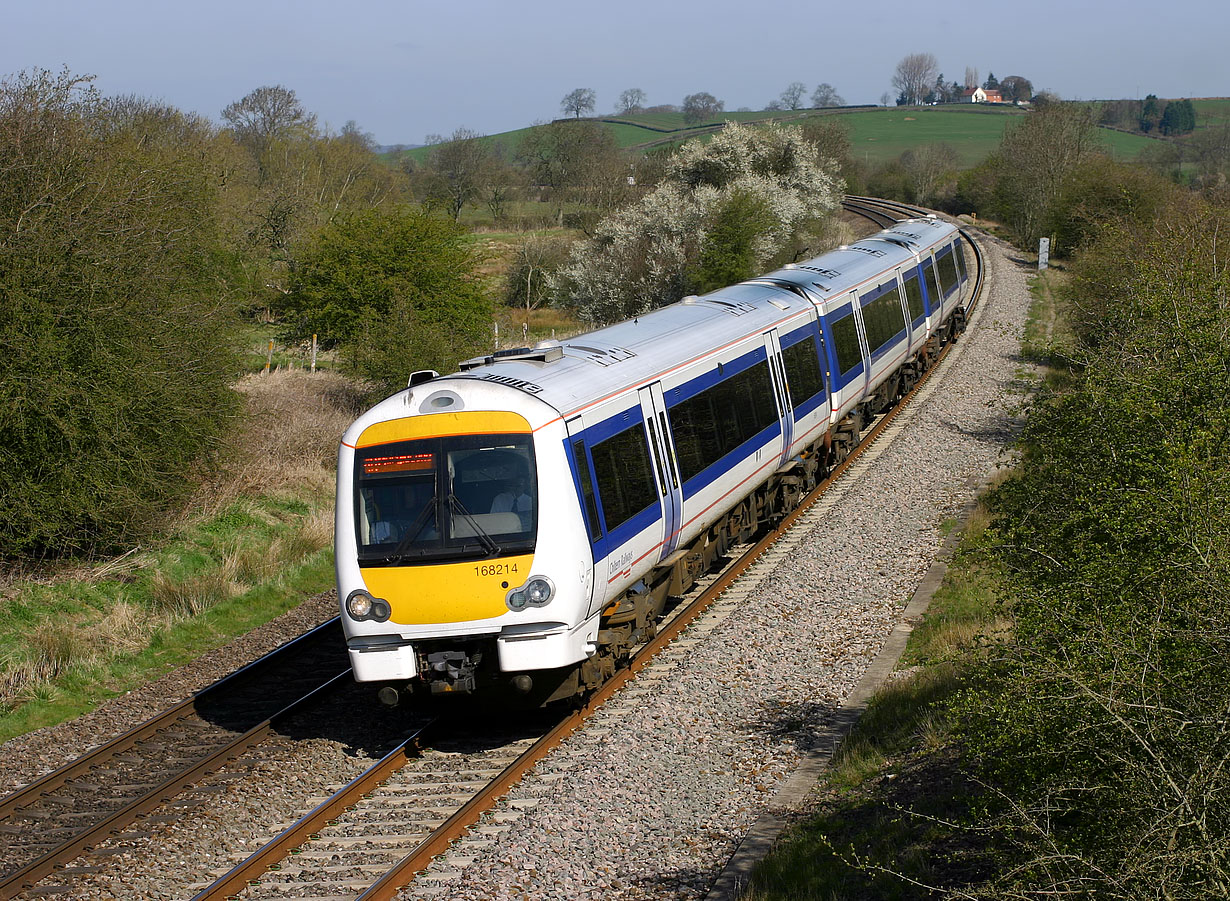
313, 353
269, 357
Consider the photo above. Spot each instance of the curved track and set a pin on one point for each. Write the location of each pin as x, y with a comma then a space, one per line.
346, 868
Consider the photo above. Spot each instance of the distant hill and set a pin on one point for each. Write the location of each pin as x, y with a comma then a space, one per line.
877, 134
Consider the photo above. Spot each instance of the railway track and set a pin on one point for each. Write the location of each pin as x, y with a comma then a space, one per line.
434, 786
49, 823
338, 870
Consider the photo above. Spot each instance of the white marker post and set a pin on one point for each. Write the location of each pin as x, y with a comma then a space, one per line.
1044, 253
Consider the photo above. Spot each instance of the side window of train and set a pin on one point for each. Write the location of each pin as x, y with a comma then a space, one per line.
711, 424
914, 297
803, 371
625, 480
587, 490
948, 271
845, 342
937, 296
883, 319
958, 249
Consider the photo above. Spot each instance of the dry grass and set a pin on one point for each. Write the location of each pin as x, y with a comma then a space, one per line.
290, 436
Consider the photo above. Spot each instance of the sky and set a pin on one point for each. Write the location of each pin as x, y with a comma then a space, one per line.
403, 70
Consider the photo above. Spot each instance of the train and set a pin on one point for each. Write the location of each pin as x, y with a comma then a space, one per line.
519, 526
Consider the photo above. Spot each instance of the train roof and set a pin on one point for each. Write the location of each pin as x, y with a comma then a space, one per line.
574, 373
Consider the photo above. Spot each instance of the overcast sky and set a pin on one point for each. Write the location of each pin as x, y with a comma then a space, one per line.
406, 69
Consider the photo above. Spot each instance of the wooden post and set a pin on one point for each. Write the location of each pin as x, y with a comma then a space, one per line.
313, 353
269, 357
497, 335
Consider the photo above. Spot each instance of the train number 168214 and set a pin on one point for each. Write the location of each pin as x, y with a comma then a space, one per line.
495, 569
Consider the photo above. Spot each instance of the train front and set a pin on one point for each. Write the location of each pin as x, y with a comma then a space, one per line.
461, 557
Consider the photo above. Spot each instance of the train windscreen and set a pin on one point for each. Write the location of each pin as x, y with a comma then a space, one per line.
460, 497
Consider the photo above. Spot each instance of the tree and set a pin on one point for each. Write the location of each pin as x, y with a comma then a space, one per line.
394, 289
914, 77
699, 107
971, 77
581, 100
455, 168
1035, 159
631, 101
1178, 119
1016, 89
115, 325
932, 172
569, 156
992, 83
824, 97
1150, 113
536, 258
649, 255
792, 97
266, 114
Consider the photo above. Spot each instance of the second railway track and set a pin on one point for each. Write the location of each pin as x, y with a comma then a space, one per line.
347, 870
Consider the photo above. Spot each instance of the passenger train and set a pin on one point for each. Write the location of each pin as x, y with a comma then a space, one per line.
520, 524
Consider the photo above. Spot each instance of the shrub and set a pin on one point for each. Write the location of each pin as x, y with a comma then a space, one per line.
646, 256
116, 346
1103, 723
393, 288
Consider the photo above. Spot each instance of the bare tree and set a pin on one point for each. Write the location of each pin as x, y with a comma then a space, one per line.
792, 97
701, 106
455, 169
267, 113
914, 77
886, 98
581, 100
971, 77
824, 97
632, 101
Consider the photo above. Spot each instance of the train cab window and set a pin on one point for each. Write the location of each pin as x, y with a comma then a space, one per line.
458, 497
587, 490
914, 297
883, 319
803, 371
845, 342
625, 480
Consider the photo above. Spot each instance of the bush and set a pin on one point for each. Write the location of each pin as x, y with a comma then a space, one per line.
1103, 723
393, 289
646, 256
116, 348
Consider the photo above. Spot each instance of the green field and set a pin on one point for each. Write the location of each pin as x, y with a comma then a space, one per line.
877, 134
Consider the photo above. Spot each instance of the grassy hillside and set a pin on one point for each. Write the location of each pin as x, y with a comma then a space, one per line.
878, 134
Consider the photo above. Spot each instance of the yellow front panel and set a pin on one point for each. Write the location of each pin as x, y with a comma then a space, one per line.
480, 422
449, 592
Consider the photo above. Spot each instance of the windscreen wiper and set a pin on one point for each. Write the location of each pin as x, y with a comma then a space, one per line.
403, 547
486, 540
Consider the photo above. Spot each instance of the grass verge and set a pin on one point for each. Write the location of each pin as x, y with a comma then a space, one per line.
865, 837
254, 542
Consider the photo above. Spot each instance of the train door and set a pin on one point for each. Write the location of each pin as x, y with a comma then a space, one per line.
666, 470
781, 391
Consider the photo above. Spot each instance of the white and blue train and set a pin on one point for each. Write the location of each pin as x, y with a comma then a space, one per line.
521, 523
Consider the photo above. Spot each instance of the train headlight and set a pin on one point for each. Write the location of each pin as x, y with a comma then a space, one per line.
361, 605
537, 592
